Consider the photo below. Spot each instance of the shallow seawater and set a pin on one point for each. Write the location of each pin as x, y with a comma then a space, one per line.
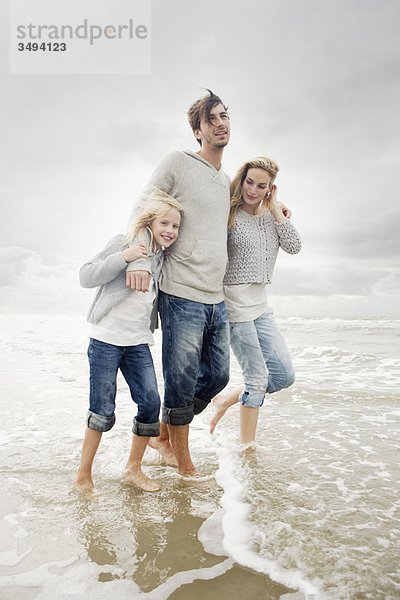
313, 512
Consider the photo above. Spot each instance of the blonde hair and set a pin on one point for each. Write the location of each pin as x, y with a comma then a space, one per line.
261, 162
158, 203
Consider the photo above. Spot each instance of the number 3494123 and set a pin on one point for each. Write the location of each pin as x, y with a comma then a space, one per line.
44, 46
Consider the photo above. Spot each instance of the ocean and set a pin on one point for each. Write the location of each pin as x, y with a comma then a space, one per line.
312, 513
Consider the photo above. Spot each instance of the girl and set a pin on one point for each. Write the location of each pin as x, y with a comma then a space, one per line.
257, 229
122, 323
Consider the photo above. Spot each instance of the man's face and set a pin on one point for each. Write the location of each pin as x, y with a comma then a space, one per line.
215, 132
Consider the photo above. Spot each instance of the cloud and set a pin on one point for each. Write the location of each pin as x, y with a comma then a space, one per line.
388, 288
332, 306
319, 278
373, 238
313, 84
30, 285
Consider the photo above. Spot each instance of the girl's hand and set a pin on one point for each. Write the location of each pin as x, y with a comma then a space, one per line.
134, 253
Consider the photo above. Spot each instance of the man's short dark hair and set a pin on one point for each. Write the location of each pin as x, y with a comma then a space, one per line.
202, 108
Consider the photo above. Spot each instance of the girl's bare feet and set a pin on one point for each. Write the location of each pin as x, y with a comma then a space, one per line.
140, 480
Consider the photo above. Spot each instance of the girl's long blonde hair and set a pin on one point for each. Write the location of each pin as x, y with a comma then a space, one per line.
158, 203
261, 162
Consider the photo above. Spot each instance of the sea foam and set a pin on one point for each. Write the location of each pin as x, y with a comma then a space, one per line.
239, 532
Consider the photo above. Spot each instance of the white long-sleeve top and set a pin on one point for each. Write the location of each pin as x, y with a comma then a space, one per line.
253, 245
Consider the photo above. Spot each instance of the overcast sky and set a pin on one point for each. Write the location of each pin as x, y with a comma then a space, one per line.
312, 83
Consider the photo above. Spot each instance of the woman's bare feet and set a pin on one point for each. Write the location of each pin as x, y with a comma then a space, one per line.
220, 408
222, 402
140, 480
84, 484
165, 450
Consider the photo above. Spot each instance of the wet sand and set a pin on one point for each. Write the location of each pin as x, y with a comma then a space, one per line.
315, 510
56, 543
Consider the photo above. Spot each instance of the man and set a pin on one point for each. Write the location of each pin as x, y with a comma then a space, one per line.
193, 317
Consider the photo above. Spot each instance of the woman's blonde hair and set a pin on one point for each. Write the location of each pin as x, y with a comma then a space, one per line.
261, 162
158, 203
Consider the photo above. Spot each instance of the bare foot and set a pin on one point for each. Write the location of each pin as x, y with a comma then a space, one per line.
188, 473
84, 485
248, 448
196, 476
165, 450
220, 409
139, 479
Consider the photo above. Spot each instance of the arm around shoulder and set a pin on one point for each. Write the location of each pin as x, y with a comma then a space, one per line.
163, 178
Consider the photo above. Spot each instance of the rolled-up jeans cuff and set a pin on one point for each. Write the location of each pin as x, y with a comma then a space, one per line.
200, 405
146, 429
99, 422
181, 415
252, 399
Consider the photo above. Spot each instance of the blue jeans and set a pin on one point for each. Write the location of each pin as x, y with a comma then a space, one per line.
136, 365
263, 357
195, 356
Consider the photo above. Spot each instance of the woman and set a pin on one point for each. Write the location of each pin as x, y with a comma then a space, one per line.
258, 227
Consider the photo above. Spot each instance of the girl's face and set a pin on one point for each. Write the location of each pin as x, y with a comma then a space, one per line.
254, 187
165, 229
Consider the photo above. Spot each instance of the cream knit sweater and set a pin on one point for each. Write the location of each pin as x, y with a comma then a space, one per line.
253, 245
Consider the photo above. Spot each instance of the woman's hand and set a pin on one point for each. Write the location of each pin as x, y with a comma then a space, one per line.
279, 211
273, 198
134, 253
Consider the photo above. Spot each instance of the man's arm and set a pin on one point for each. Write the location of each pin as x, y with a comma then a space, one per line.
138, 273
163, 178
285, 210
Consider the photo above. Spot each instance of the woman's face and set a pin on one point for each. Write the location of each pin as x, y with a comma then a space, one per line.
254, 187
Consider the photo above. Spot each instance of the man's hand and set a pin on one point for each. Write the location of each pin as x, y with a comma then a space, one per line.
285, 210
138, 280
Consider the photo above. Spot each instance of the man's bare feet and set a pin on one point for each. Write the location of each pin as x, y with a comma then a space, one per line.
196, 477
140, 480
189, 473
165, 450
220, 408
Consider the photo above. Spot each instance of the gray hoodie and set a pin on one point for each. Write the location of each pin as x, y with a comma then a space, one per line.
106, 271
196, 264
